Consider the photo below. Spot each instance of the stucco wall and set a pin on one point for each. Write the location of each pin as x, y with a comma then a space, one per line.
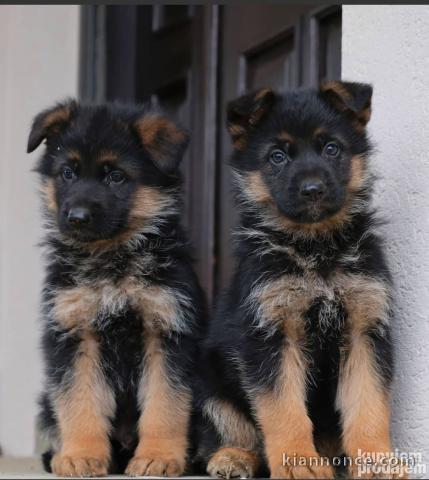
389, 47
38, 65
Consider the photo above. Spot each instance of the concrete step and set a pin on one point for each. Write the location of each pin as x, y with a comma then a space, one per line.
31, 468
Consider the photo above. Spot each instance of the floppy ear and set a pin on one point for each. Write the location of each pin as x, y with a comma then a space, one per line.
348, 96
246, 112
50, 122
163, 139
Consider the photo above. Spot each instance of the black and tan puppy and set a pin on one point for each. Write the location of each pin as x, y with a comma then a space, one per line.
298, 359
122, 309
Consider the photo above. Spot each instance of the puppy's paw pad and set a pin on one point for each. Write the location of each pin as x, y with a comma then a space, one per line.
79, 466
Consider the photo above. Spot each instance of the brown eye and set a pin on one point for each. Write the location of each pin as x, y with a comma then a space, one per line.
116, 176
67, 174
277, 157
331, 149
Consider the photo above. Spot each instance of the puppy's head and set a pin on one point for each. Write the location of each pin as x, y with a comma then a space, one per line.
303, 154
107, 171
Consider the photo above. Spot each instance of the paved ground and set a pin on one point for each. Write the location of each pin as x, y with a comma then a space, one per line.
20, 467
31, 468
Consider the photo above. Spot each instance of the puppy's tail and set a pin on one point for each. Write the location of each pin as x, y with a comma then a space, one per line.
46, 460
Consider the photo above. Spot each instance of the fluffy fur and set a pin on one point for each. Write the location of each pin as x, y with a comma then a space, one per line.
122, 309
298, 356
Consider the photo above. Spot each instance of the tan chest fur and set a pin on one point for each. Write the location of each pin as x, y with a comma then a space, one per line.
282, 303
161, 308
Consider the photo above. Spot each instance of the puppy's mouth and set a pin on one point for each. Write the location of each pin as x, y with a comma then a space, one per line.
316, 211
83, 235
312, 212
88, 226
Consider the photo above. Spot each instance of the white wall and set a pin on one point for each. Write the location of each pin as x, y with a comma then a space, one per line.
389, 47
38, 65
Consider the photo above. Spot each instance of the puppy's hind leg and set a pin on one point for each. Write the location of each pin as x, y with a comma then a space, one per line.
237, 453
233, 462
47, 425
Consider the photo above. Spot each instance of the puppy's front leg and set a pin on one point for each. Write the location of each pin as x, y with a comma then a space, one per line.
83, 407
163, 425
287, 428
364, 405
363, 389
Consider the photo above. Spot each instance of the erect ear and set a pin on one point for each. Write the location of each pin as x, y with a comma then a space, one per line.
163, 139
349, 96
246, 112
50, 122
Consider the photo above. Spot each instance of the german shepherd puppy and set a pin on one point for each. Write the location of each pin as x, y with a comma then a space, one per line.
122, 309
298, 359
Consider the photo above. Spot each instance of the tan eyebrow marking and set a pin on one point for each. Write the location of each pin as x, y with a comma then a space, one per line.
74, 156
319, 131
107, 156
286, 137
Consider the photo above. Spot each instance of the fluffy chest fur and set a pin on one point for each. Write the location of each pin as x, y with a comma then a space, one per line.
284, 303
91, 305
96, 289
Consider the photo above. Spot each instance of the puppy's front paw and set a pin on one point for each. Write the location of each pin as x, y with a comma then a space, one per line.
79, 466
233, 463
155, 466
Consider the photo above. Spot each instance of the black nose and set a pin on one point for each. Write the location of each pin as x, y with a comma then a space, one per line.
312, 190
79, 216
